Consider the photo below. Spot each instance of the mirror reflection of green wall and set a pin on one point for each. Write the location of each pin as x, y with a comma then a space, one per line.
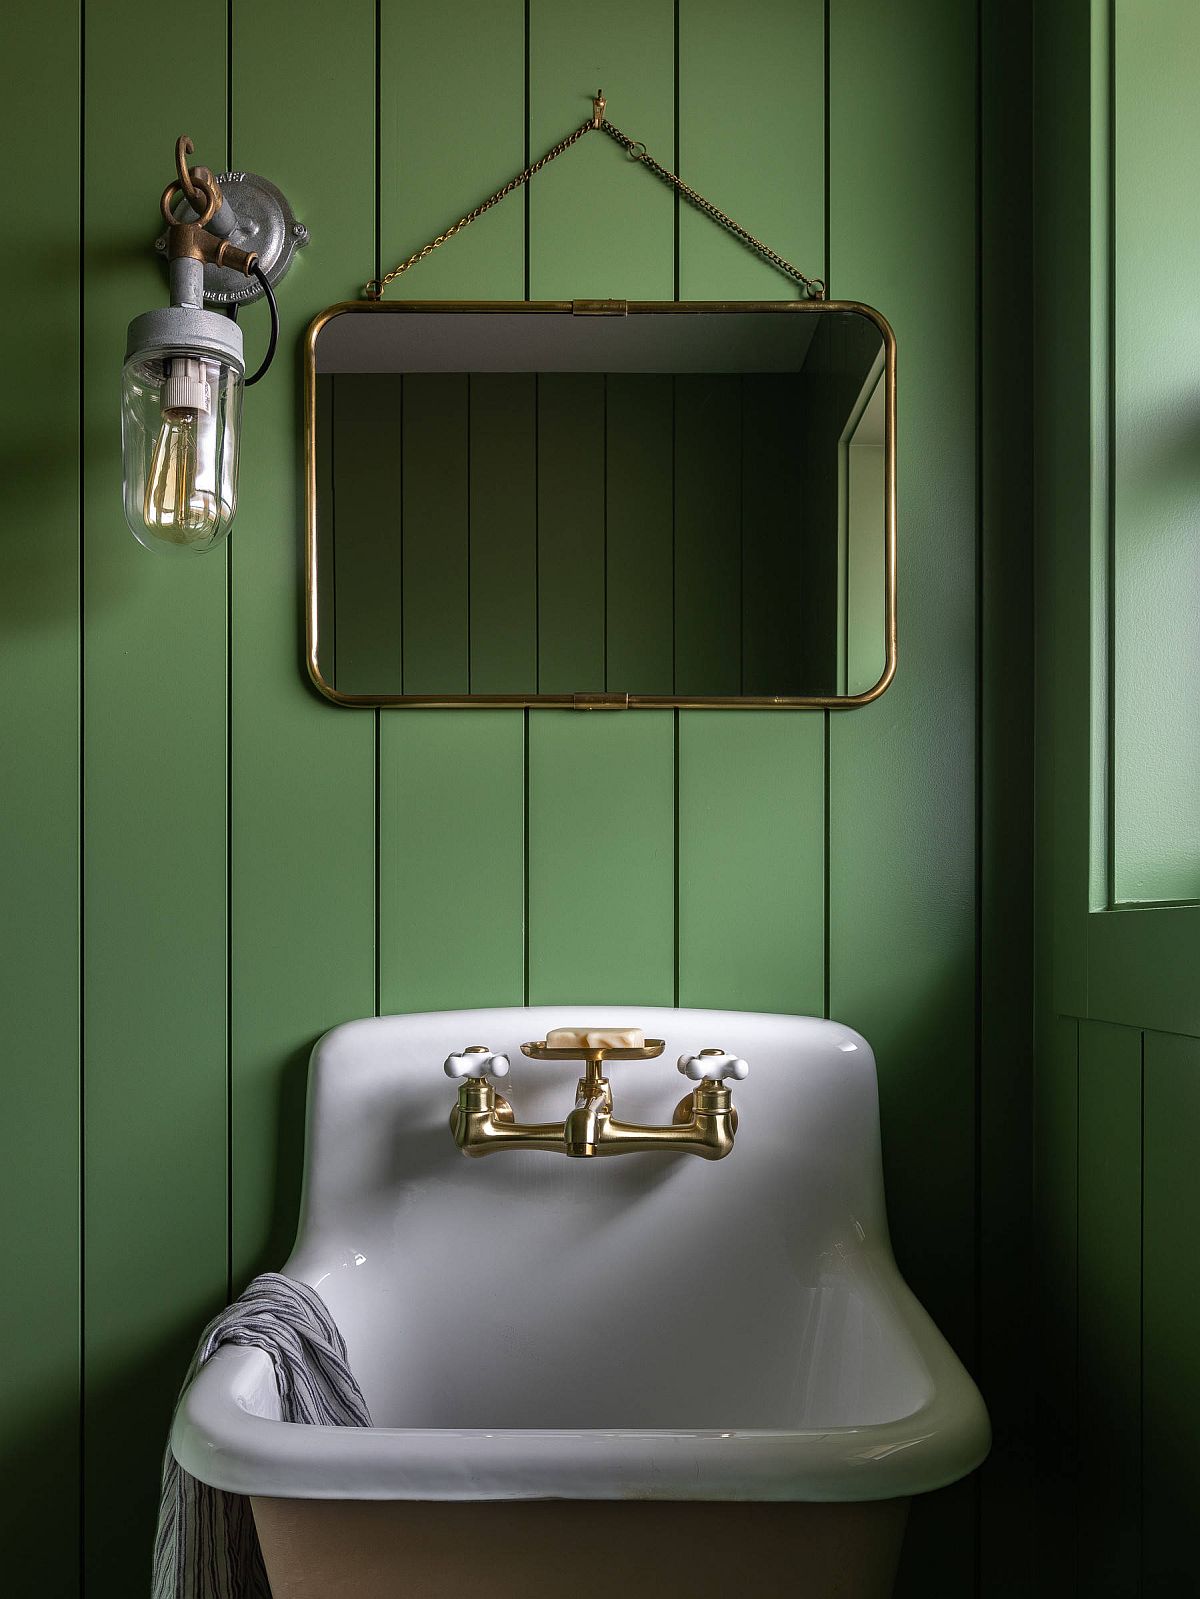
703, 515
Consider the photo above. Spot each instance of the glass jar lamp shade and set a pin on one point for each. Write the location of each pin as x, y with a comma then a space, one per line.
181, 414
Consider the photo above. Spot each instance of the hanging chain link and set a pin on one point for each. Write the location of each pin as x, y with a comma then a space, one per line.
375, 288
814, 288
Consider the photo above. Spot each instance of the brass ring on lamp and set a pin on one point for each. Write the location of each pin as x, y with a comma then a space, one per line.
209, 192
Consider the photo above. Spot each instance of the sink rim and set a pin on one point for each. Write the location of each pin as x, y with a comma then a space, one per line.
225, 1435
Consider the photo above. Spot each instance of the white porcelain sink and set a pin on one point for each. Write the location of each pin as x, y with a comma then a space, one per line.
644, 1327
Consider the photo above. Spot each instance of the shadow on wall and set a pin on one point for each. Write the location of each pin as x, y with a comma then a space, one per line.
38, 1466
927, 1127
286, 1112
127, 1412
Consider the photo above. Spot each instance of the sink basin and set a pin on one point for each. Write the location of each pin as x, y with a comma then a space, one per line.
649, 1328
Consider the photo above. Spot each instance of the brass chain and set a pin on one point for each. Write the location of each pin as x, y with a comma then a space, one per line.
374, 289
814, 288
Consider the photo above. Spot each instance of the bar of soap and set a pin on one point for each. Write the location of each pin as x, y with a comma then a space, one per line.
595, 1038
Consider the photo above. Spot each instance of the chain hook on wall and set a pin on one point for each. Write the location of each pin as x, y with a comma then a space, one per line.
814, 288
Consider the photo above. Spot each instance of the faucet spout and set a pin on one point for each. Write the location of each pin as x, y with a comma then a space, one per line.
583, 1128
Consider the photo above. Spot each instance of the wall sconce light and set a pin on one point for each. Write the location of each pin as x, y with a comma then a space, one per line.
181, 386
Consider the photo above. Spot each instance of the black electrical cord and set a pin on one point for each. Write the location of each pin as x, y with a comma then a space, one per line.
274, 339
258, 272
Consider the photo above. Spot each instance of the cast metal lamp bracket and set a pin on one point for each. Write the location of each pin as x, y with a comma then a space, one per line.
704, 1122
238, 208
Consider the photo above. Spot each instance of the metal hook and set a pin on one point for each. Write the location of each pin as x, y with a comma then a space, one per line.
598, 104
190, 181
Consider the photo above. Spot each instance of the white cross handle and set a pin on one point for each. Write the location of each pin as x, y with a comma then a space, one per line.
713, 1065
477, 1061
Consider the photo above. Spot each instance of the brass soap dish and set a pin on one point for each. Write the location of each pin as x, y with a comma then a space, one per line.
538, 1051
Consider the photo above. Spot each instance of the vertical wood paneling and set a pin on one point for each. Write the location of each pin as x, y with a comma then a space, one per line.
764, 163
751, 870
708, 518
601, 862
302, 802
639, 541
436, 534
451, 789
1110, 1309
452, 129
1171, 1315
599, 228
902, 793
571, 525
39, 811
302, 787
326, 422
450, 918
154, 781
601, 785
366, 523
1055, 1376
902, 130
772, 825
773, 536
503, 643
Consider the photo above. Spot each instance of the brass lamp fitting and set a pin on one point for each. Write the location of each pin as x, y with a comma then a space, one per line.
196, 240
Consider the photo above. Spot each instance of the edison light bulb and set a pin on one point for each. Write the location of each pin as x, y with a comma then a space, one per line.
176, 506
180, 417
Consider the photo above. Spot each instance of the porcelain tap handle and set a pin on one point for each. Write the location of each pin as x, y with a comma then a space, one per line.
476, 1061
713, 1065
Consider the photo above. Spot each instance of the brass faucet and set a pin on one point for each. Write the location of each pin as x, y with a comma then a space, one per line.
704, 1122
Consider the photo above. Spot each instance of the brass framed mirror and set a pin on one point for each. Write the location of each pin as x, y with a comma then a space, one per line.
601, 504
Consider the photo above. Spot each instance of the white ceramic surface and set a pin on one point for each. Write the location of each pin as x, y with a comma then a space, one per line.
642, 1326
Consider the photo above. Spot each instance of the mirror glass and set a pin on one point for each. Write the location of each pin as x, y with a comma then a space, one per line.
674, 503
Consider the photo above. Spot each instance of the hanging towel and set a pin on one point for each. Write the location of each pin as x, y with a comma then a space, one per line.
206, 1546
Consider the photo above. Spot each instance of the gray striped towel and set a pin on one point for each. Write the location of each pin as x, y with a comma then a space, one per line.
206, 1546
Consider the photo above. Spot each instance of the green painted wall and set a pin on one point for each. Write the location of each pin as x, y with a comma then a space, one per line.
206, 865
1117, 1101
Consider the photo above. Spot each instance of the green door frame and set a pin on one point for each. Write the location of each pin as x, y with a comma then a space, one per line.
1132, 964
